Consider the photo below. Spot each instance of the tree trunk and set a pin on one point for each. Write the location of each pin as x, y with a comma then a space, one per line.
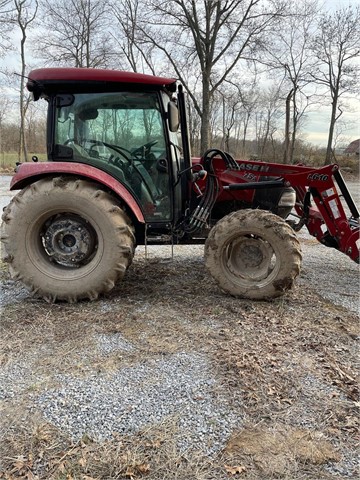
246, 124
329, 150
205, 117
293, 140
23, 19
265, 138
22, 143
287, 128
295, 121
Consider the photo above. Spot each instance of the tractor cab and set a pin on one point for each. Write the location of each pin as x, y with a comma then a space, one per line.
124, 135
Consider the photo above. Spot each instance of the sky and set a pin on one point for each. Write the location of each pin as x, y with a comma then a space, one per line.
315, 128
317, 125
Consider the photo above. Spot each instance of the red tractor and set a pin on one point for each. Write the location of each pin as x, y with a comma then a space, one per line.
116, 177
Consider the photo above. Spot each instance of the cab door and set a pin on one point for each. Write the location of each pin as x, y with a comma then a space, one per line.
126, 135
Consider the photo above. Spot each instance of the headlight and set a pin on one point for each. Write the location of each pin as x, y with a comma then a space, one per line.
288, 198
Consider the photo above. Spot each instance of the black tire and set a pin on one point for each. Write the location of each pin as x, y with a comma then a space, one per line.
253, 254
66, 239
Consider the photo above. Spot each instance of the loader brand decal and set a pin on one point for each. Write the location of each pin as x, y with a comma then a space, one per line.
253, 168
318, 176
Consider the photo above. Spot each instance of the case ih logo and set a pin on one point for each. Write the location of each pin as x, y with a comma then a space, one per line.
253, 167
318, 176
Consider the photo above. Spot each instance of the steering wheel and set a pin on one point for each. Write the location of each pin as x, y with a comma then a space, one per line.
144, 150
120, 150
126, 154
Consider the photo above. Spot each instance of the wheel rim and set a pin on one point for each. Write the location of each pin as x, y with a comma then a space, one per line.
250, 260
64, 245
69, 240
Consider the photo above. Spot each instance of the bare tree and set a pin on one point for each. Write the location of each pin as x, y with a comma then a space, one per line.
5, 105
5, 6
26, 11
288, 50
249, 100
6, 16
229, 107
267, 117
128, 14
78, 38
337, 48
243, 103
206, 39
36, 127
194, 126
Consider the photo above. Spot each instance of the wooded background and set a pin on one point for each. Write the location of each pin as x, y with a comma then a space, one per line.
252, 69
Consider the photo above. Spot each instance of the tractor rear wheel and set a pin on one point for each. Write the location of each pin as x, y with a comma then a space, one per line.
253, 254
67, 239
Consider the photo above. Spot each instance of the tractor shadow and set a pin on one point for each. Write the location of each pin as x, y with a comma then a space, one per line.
165, 278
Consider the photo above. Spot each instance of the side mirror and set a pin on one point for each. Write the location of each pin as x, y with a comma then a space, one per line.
173, 117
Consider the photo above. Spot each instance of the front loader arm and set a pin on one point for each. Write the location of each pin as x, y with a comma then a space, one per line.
332, 218
323, 201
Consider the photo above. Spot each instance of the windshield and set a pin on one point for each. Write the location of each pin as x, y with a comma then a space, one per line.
122, 133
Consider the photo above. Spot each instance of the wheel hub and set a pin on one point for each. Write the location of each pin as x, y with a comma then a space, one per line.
69, 240
250, 258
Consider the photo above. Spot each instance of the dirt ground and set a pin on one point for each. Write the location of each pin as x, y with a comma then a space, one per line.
288, 368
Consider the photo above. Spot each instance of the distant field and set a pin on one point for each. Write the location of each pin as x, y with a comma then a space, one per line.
8, 160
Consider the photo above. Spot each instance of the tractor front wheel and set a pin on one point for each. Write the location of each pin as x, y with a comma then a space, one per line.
66, 239
253, 254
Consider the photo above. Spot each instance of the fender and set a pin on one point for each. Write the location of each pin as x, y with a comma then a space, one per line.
27, 173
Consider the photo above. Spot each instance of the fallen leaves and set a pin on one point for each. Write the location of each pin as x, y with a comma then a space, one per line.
22, 467
134, 471
235, 470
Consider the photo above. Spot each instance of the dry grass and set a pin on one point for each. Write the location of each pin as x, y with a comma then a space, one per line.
279, 449
287, 367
